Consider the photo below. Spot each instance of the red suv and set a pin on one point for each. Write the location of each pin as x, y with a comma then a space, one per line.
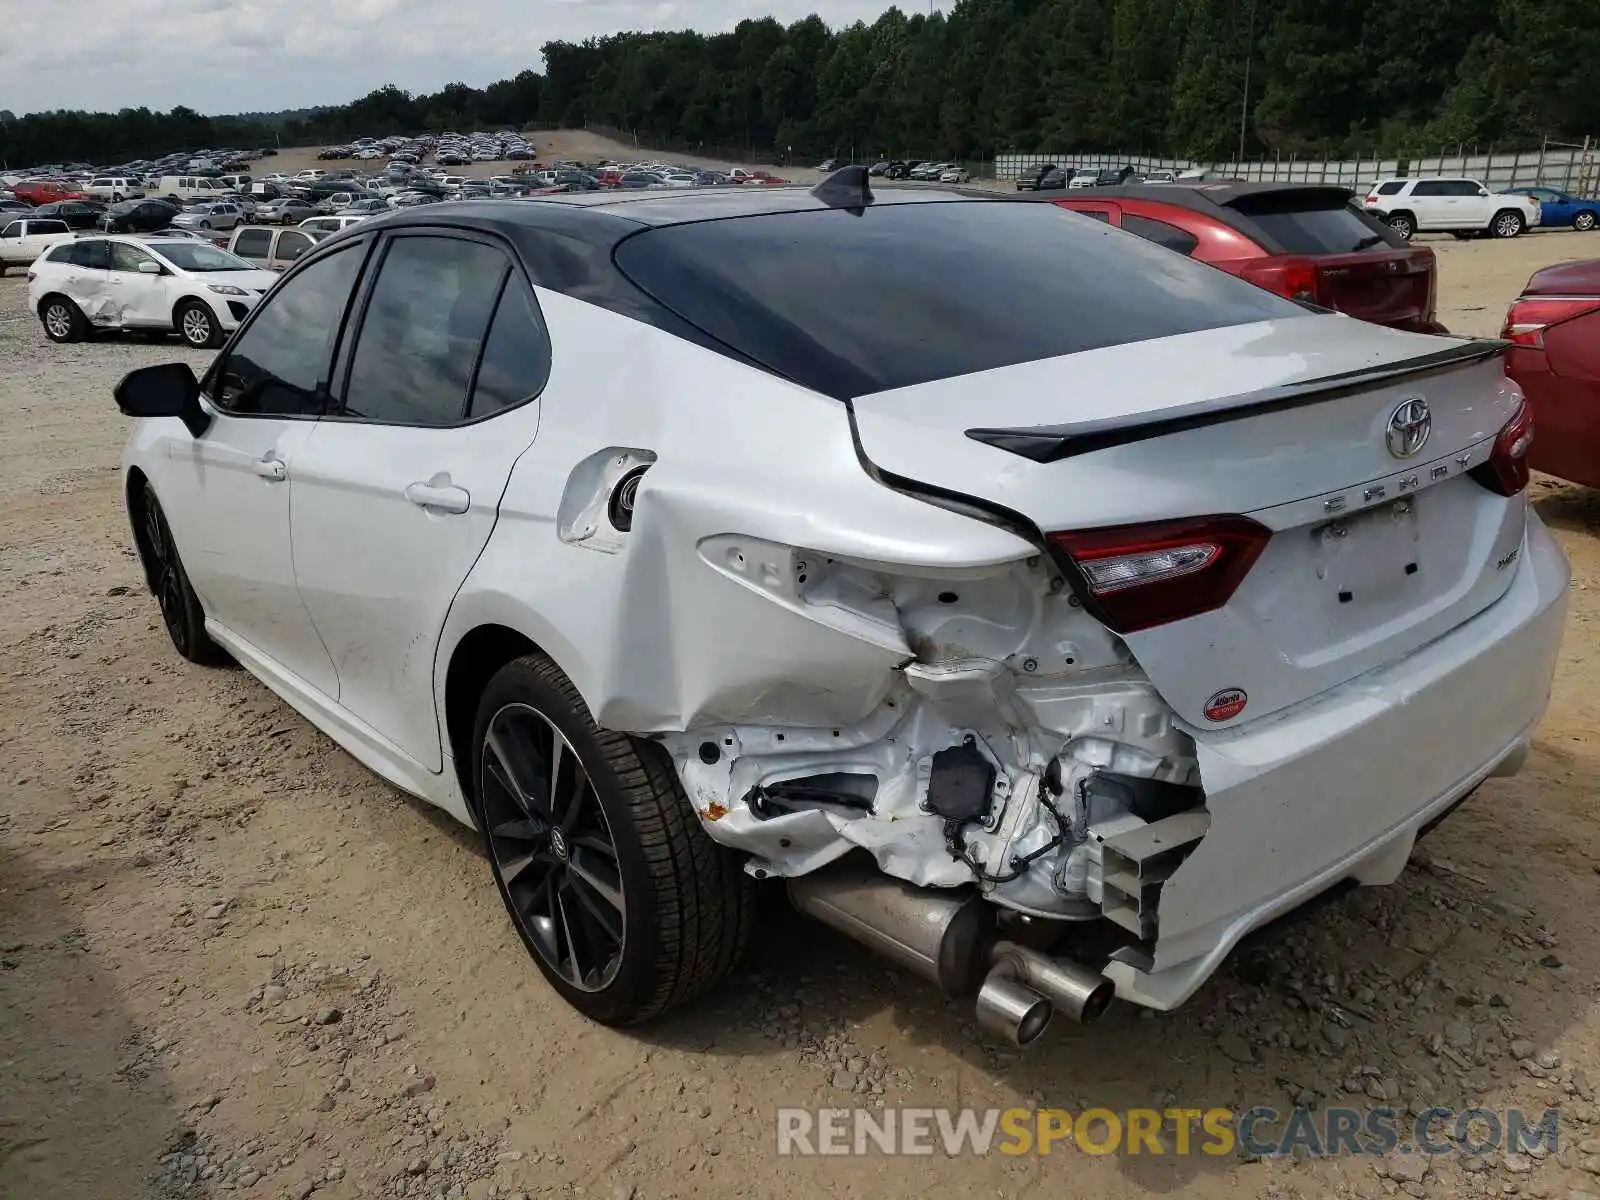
1303, 241
45, 191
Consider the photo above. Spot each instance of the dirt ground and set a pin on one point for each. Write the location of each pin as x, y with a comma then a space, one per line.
234, 962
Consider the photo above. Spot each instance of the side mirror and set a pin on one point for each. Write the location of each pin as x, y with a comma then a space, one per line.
167, 390
149, 268
1483, 191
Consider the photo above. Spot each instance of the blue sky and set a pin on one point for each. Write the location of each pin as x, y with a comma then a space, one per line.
224, 56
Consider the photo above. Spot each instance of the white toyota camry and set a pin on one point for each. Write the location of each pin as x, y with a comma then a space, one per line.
1048, 609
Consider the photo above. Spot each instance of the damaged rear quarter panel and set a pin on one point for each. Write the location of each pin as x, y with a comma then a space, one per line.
653, 636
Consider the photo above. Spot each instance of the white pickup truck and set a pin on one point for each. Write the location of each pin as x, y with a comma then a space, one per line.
24, 239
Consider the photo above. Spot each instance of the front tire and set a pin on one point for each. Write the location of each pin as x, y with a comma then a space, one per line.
63, 320
623, 900
197, 325
180, 607
1506, 224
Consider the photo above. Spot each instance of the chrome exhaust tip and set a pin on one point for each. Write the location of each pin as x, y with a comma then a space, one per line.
1076, 991
1012, 1010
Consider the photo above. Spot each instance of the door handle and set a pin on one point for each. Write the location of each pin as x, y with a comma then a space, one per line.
271, 468
443, 497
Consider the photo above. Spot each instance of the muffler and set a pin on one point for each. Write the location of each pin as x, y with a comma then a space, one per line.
949, 938
942, 936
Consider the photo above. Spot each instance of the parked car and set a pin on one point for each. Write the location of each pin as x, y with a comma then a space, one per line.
189, 189
364, 208
14, 206
78, 214
138, 216
1021, 659
23, 239
1302, 241
955, 175
45, 191
209, 216
880, 167
120, 282
1464, 207
110, 189
1561, 210
1554, 331
1041, 177
272, 249
286, 210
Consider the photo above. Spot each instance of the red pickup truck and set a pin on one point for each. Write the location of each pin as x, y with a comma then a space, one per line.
46, 191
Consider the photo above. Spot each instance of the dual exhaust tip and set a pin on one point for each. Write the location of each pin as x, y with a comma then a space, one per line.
949, 939
1024, 989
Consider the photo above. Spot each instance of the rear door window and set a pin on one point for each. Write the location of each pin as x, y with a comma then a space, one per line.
253, 243
1431, 187
292, 244
95, 255
1161, 233
851, 303
1391, 188
422, 330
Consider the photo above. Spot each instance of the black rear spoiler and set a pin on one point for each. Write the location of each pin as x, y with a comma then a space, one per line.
1052, 443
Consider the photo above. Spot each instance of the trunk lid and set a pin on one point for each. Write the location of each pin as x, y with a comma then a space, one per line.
1286, 422
1388, 287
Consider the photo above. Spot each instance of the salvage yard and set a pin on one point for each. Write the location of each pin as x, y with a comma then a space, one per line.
233, 962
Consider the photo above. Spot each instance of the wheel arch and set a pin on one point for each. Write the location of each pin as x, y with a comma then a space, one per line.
188, 298
475, 658
38, 309
1513, 211
134, 486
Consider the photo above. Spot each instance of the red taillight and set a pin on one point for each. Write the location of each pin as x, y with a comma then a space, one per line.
1529, 316
1287, 275
1145, 575
1506, 472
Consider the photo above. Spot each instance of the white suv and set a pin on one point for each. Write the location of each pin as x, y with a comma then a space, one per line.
187, 286
1463, 207
114, 188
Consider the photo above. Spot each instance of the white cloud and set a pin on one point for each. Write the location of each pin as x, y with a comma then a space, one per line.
223, 56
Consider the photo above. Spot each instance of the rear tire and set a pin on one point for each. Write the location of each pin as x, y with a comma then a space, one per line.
1506, 224
63, 320
1403, 224
621, 897
1584, 222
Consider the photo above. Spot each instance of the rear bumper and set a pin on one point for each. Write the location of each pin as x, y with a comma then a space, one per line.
1338, 788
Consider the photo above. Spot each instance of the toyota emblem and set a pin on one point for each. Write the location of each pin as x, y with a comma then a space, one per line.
1410, 426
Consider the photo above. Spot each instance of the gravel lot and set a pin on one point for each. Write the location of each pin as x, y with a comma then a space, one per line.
234, 962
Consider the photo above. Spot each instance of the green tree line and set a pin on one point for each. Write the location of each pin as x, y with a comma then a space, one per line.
1148, 76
